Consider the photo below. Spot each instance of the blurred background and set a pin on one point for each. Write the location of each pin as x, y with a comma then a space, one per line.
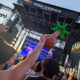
28, 20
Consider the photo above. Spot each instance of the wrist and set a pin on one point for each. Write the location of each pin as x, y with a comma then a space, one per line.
55, 34
41, 44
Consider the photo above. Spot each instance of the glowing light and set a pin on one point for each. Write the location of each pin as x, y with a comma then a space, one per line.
13, 42
77, 47
29, 46
14, 39
27, 0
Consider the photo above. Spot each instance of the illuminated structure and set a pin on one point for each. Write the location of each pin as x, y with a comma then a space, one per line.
32, 18
38, 15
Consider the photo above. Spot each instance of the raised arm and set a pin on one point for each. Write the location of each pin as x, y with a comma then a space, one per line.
19, 71
29, 61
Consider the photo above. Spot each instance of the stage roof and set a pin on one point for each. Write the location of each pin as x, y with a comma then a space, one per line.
73, 5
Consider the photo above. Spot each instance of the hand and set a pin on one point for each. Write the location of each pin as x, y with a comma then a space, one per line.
3, 28
45, 37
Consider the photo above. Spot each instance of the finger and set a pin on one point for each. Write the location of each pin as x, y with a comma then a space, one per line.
2, 29
48, 35
5, 31
3, 26
54, 35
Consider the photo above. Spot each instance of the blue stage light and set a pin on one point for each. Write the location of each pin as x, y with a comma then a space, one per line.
29, 46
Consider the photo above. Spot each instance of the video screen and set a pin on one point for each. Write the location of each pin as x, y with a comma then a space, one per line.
29, 46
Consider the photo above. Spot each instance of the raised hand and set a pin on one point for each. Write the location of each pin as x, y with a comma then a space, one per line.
3, 28
45, 37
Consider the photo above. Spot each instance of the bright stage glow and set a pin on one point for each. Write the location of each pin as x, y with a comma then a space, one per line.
29, 46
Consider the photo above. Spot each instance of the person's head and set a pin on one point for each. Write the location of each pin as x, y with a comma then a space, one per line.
17, 60
24, 57
50, 68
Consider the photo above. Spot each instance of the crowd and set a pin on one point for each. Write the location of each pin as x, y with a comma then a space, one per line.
27, 68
